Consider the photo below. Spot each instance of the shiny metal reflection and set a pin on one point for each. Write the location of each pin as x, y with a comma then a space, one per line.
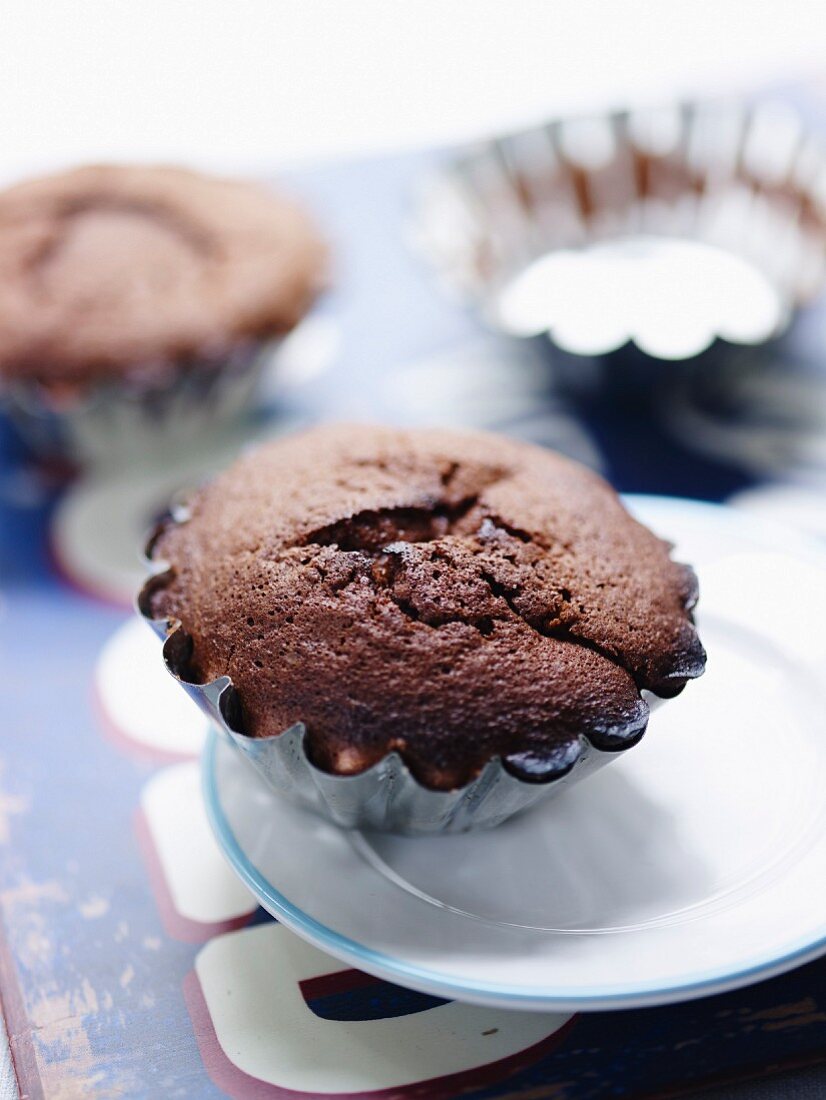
664, 228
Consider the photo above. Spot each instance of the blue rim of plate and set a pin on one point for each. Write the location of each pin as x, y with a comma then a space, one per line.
551, 999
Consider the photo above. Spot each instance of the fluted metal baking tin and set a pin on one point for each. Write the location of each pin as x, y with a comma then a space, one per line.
549, 230
385, 797
121, 421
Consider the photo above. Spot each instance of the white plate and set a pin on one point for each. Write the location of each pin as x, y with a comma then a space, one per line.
693, 864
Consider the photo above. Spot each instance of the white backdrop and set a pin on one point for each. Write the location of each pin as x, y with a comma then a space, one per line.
252, 84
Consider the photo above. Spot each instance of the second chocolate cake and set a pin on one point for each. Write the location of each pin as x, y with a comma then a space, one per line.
123, 272
453, 597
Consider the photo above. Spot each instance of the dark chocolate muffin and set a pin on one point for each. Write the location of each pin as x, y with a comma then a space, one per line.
108, 271
450, 596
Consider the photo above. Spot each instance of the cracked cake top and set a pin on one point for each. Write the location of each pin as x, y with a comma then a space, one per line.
107, 268
450, 596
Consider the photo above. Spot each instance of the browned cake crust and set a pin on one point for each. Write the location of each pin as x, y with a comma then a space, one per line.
105, 269
451, 596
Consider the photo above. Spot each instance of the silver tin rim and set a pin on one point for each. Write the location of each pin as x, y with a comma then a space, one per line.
739, 180
119, 420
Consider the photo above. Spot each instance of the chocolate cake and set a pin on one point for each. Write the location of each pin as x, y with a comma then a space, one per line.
112, 270
450, 596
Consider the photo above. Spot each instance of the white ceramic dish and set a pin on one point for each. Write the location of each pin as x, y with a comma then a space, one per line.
694, 864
